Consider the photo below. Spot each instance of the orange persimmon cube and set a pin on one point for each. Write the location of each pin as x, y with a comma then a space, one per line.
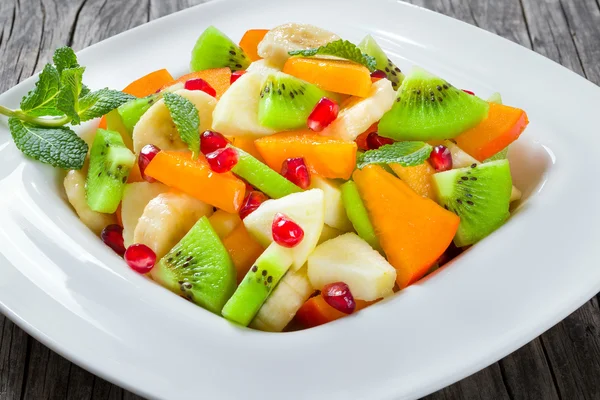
250, 41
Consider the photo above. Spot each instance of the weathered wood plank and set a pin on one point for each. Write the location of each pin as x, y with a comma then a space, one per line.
487, 384
13, 359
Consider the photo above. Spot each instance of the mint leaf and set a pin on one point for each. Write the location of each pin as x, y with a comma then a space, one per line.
185, 117
407, 154
84, 91
59, 147
340, 48
64, 58
68, 97
41, 100
101, 102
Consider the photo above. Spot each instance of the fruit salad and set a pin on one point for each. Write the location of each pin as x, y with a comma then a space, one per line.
287, 181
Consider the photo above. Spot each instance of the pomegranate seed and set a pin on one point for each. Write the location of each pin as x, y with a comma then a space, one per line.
469, 92
251, 202
235, 76
286, 232
378, 74
338, 296
200, 84
140, 258
451, 252
222, 160
374, 141
211, 141
323, 114
296, 171
112, 236
441, 158
146, 155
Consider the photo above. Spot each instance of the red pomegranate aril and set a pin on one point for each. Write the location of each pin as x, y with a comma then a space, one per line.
251, 202
140, 258
338, 296
469, 92
211, 141
200, 84
286, 232
235, 75
112, 236
324, 113
222, 160
296, 171
441, 158
374, 141
146, 155
378, 74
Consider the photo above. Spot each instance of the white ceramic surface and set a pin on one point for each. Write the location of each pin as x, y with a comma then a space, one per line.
63, 286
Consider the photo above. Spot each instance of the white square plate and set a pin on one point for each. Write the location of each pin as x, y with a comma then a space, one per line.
63, 286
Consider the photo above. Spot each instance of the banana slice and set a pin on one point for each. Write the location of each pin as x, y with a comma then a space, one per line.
135, 198
280, 40
166, 219
360, 113
75, 189
156, 126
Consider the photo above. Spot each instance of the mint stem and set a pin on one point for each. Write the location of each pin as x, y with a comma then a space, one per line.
52, 122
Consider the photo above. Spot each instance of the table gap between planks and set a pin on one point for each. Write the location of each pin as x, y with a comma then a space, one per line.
563, 363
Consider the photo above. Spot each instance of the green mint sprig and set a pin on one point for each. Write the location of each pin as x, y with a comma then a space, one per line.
340, 48
59, 98
407, 154
185, 116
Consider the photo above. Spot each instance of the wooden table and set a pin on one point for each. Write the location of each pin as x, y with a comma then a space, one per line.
564, 363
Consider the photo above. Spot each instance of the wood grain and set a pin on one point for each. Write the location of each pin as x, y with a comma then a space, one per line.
564, 363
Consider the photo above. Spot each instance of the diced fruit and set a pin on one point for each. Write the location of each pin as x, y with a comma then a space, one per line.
479, 195
136, 197
339, 76
361, 140
324, 113
211, 141
296, 171
339, 296
283, 303
224, 223
399, 215
132, 111
428, 107
200, 84
417, 177
215, 50
350, 259
110, 163
147, 154
222, 160
307, 209
262, 177
317, 312
140, 258
503, 126
359, 114
441, 158
235, 75
374, 141
243, 250
389, 70
286, 232
247, 144
250, 41
198, 268
149, 84
377, 75
357, 214
501, 155
258, 283
218, 78
325, 156
335, 213
114, 122
195, 178
112, 236
252, 201
495, 98
328, 233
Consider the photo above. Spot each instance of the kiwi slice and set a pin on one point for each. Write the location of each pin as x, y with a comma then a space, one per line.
132, 111
258, 284
369, 46
428, 108
262, 177
198, 268
286, 101
479, 195
358, 215
110, 163
215, 50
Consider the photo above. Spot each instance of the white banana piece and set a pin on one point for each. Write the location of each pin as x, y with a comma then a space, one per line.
288, 37
156, 125
166, 219
136, 197
360, 113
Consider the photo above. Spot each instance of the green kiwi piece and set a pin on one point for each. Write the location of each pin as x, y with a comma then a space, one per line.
286, 101
429, 108
501, 155
358, 215
262, 176
132, 111
479, 195
215, 50
369, 46
110, 163
198, 268
258, 284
